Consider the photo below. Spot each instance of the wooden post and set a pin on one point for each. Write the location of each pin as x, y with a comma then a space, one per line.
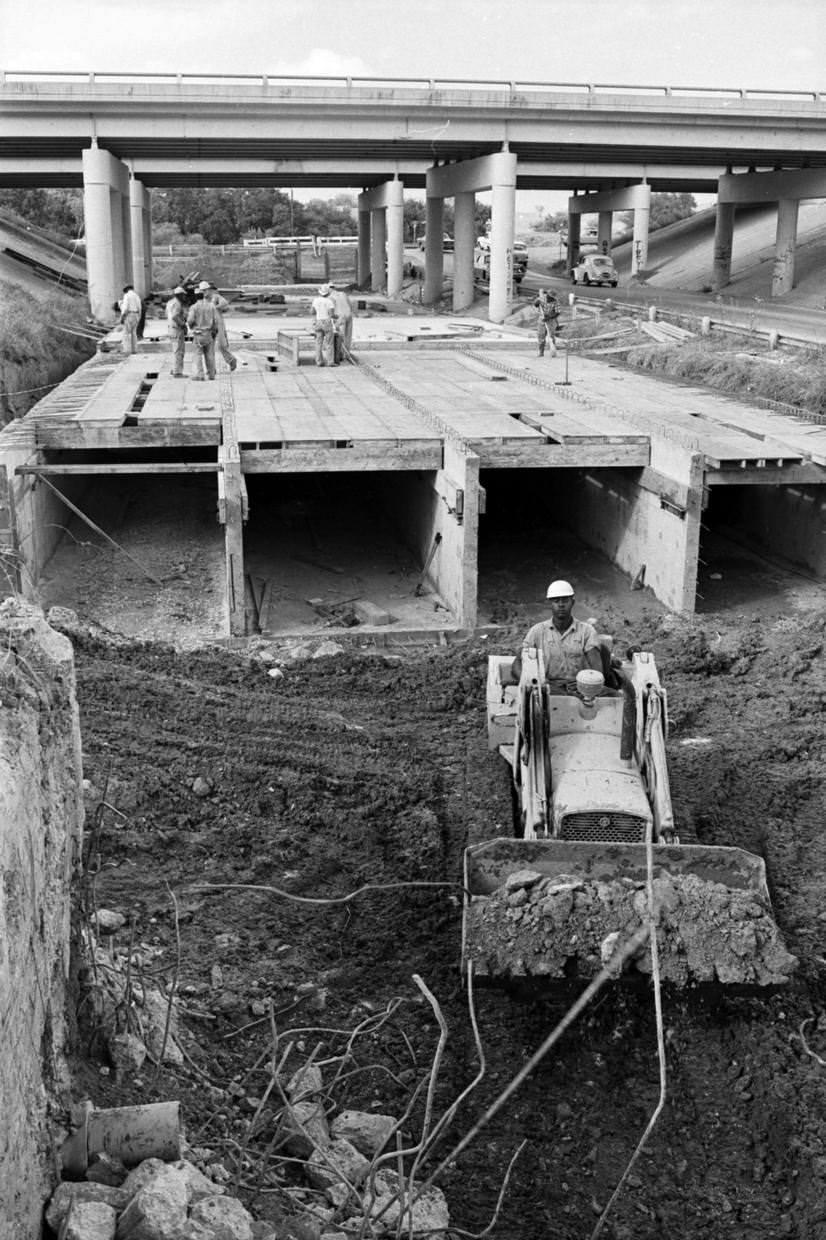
232, 510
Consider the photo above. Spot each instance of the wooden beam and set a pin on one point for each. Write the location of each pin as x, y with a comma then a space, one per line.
76, 436
147, 467
533, 455
676, 493
790, 475
360, 458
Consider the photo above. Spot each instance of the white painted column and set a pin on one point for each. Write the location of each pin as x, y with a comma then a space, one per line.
363, 263
103, 180
434, 266
784, 246
464, 243
378, 246
723, 244
147, 240
639, 243
138, 210
604, 226
503, 213
395, 237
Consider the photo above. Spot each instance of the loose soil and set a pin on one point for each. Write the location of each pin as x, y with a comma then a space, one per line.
373, 769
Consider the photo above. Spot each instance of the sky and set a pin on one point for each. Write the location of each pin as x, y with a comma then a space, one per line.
768, 44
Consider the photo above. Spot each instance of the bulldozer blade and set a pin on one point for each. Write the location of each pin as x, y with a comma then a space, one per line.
559, 909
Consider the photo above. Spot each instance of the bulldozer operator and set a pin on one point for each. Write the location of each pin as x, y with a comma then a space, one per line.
568, 645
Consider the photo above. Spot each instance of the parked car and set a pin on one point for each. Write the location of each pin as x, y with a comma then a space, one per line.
447, 243
595, 269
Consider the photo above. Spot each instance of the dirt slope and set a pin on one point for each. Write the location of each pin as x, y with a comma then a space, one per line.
360, 769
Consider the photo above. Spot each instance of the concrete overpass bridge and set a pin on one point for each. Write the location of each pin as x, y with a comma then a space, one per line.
121, 135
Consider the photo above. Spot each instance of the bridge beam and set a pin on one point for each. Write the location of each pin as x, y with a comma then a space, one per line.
497, 173
108, 230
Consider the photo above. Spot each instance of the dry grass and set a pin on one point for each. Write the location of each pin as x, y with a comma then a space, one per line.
34, 353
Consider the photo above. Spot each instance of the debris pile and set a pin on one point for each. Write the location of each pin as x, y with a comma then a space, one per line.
566, 926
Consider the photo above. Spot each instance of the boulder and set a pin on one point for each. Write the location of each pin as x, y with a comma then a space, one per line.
158, 1210
429, 1215
89, 1220
305, 1082
306, 1127
368, 1133
226, 1216
68, 1192
340, 1161
200, 1185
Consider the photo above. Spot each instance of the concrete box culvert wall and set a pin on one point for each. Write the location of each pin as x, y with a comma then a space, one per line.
788, 522
41, 818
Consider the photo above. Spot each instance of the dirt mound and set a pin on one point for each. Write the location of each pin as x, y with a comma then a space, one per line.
563, 926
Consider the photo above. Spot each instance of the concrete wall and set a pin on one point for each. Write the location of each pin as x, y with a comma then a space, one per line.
32, 518
40, 834
788, 521
610, 511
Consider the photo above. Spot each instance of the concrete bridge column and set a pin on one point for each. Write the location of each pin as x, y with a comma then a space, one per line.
434, 264
464, 243
394, 219
604, 228
378, 241
105, 202
639, 243
503, 215
784, 246
573, 242
140, 228
723, 244
363, 261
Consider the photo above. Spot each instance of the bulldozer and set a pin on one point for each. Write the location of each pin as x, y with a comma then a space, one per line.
595, 837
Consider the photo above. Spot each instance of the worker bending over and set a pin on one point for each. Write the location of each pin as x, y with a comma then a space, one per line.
567, 645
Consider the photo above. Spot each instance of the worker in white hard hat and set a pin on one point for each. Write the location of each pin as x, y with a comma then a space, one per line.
567, 645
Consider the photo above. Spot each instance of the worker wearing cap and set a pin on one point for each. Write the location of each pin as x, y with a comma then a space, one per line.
130, 313
324, 311
221, 343
567, 645
176, 329
202, 320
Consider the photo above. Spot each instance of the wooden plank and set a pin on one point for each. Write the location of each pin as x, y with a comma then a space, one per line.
804, 474
560, 456
76, 435
358, 457
146, 467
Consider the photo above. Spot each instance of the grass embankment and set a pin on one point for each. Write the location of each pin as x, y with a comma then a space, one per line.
227, 270
795, 377
36, 352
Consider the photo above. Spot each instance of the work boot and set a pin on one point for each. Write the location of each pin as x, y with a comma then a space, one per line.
198, 378
233, 363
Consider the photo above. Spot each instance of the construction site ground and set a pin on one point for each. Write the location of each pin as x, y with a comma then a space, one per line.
373, 768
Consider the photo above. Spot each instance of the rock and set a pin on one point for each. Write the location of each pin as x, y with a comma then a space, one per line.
305, 1082
199, 1184
276, 673
368, 1133
154, 1017
82, 1190
127, 1052
104, 1169
522, 878
226, 1216
89, 1220
158, 1210
429, 1213
326, 649
141, 1175
306, 1126
340, 1161
201, 786
106, 921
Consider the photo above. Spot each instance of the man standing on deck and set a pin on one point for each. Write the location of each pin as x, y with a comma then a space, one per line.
221, 343
130, 313
202, 320
176, 329
324, 312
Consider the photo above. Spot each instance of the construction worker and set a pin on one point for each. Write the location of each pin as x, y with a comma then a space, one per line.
202, 320
343, 338
324, 312
221, 305
176, 311
130, 313
567, 645
547, 320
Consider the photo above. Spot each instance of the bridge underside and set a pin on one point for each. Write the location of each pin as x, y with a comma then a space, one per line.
401, 494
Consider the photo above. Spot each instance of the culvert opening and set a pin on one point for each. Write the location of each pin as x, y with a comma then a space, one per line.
754, 540
342, 552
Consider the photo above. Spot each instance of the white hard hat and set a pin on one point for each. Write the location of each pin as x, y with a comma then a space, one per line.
203, 287
179, 290
323, 289
560, 589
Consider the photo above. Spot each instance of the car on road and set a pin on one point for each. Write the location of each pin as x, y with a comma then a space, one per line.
447, 243
595, 269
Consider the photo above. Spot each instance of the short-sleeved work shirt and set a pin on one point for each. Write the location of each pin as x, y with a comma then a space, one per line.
563, 653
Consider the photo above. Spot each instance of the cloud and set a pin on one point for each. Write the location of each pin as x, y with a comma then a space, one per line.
322, 62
